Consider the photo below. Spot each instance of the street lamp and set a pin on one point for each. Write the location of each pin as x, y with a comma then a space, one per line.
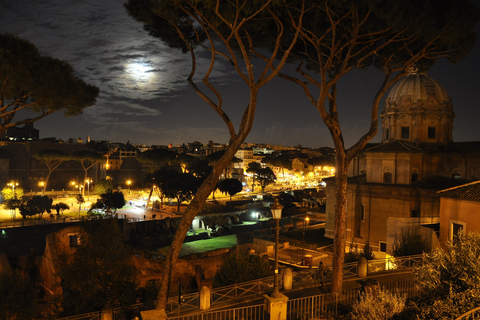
305, 224
13, 184
88, 180
129, 182
41, 184
277, 214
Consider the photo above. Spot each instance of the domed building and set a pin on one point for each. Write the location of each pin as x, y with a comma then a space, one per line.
393, 185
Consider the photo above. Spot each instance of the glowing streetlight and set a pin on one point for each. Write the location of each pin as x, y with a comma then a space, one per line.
276, 209
13, 184
41, 184
129, 182
88, 180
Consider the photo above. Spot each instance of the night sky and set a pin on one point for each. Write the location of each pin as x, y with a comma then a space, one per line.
144, 97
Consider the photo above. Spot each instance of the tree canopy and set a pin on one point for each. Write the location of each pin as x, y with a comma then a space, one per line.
110, 201
37, 205
219, 29
102, 271
52, 159
230, 186
156, 157
42, 84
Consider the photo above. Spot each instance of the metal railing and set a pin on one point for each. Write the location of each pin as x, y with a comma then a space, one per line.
222, 294
256, 312
120, 313
302, 278
305, 277
319, 306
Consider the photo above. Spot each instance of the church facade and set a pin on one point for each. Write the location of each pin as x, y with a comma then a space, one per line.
393, 184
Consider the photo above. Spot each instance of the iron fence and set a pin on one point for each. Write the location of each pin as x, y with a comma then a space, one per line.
256, 312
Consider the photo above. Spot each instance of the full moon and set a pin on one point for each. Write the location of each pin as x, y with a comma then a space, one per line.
141, 73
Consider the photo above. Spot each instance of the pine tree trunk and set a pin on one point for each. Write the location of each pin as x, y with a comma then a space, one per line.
340, 223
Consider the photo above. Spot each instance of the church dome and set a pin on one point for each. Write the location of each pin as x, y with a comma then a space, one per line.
418, 88
418, 109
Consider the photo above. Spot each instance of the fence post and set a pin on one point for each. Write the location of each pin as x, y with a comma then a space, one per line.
107, 313
362, 268
288, 279
277, 307
205, 296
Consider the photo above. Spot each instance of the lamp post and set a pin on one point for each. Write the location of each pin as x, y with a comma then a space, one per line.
13, 184
277, 214
88, 180
129, 182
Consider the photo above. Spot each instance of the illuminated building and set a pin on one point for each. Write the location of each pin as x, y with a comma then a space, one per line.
393, 185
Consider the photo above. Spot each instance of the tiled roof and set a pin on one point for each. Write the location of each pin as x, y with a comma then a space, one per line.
469, 191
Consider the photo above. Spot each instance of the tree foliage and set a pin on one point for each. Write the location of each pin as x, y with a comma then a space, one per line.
450, 279
9, 193
102, 271
230, 186
37, 205
156, 158
17, 296
110, 201
31, 82
61, 207
242, 268
103, 186
265, 177
175, 184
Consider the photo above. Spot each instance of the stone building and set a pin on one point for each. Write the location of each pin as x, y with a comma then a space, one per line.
393, 184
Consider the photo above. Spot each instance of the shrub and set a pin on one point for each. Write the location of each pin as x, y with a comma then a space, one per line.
241, 269
377, 303
450, 280
410, 243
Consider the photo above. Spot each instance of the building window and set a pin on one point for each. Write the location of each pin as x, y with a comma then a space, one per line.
405, 133
383, 246
414, 177
431, 132
362, 213
387, 134
455, 229
415, 214
387, 177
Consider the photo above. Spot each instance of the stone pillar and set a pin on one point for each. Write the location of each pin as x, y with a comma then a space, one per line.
107, 313
288, 279
205, 297
277, 307
362, 268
